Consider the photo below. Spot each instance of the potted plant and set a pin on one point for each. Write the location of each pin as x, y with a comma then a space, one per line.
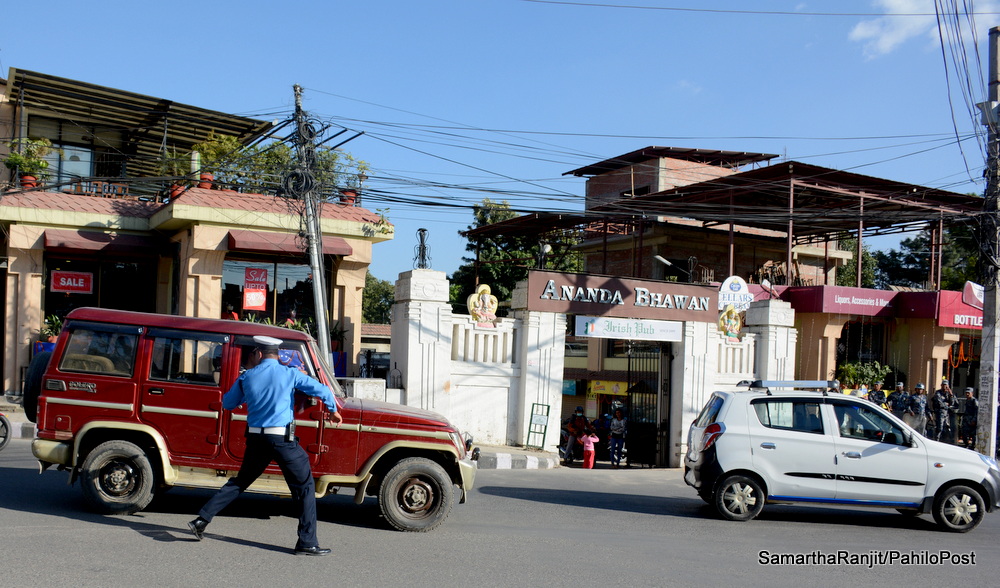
215, 151
175, 167
47, 335
27, 158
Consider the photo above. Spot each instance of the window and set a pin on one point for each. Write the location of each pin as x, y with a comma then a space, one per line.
860, 422
192, 358
790, 415
711, 411
97, 351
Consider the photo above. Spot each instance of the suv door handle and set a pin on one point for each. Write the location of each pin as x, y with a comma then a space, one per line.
768, 445
156, 390
852, 454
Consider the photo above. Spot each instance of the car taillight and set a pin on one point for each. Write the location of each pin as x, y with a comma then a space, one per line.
711, 435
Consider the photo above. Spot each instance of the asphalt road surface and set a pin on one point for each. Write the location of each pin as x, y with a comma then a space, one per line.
569, 528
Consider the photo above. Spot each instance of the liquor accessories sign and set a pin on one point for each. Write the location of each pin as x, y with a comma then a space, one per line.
608, 296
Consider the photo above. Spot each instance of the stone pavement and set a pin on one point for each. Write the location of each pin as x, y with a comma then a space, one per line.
491, 457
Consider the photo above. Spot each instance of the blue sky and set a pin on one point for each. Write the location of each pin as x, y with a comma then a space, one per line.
465, 99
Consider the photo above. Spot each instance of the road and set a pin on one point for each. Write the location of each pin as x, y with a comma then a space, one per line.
561, 527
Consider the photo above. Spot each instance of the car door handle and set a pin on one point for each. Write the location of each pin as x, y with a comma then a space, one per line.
156, 390
768, 445
851, 454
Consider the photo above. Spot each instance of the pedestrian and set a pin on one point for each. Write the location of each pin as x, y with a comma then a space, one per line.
588, 438
268, 389
616, 441
938, 416
970, 419
916, 409
877, 395
575, 426
898, 400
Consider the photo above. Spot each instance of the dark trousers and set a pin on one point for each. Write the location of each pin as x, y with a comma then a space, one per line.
294, 464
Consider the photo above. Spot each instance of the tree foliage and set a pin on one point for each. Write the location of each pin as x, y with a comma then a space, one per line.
847, 275
262, 168
910, 265
377, 300
505, 260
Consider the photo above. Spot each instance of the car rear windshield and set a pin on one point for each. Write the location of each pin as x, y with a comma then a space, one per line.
711, 411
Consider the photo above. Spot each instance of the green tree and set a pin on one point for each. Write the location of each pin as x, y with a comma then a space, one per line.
376, 300
505, 260
848, 274
910, 265
262, 168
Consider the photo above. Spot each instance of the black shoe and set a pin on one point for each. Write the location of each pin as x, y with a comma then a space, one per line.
316, 550
197, 527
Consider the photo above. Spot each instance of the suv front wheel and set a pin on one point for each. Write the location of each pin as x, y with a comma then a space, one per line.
416, 495
739, 498
117, 478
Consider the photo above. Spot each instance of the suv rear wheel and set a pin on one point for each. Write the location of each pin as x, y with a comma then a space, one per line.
415, 495
739, 498
117, 478
959, 509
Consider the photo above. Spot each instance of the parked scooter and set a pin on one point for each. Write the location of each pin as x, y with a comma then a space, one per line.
5, 431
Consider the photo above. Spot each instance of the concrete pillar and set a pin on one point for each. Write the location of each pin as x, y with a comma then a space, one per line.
825, 329
23, 304
421, 339
540, 352
202, 251
773, 321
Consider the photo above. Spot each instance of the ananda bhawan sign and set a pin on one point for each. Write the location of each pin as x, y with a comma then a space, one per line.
621, 297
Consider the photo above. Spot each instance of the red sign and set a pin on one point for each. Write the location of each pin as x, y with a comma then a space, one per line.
954, 312
255, 288
72, 282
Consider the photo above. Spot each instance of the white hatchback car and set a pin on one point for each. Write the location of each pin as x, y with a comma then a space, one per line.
803, 441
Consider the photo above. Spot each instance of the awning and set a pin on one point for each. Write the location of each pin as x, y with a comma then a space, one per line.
265, 242
99, 241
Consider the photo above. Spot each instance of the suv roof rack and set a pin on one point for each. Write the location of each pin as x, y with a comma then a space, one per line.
823, 386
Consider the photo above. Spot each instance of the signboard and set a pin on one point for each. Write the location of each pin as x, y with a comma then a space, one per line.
72, 282
255, 288
842, 300
954, 312
596, 387
608, 296
973, 295
736, 292
634, 329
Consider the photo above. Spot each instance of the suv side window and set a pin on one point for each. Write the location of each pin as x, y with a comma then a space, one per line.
789, 415
861, 422
185, 357
92, 350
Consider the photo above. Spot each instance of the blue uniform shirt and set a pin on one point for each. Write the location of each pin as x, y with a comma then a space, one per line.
268, 390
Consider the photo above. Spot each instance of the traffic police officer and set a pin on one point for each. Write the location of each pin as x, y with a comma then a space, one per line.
970, 418
268, 390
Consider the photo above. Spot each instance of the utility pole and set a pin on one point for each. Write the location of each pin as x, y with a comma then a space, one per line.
302, 185
989, 238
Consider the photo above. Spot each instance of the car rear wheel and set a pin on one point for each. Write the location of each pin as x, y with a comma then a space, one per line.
739, 498
416, 495
959, 509
117, 478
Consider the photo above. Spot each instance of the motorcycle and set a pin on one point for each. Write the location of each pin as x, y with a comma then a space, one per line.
5, 431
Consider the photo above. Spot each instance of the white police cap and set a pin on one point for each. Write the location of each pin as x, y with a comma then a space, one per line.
265, 343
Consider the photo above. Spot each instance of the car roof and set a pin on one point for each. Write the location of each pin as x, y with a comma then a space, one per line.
106, 315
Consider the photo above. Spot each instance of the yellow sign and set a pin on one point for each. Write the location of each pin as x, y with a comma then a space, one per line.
596, 387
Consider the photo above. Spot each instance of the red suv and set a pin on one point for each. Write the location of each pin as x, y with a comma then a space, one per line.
131, 403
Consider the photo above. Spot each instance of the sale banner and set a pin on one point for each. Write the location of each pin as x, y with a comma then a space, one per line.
255, 289
72, 282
